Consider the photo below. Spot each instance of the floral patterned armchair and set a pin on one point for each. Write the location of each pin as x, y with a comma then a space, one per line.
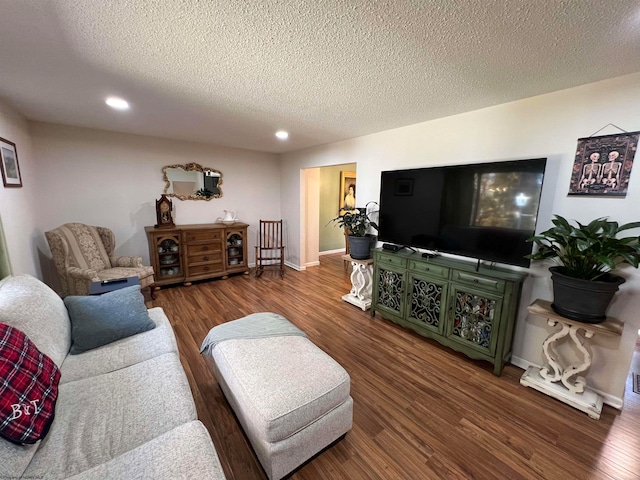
84, 254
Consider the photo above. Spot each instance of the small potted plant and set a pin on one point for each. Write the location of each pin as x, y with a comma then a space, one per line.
583, 285
357, 224
204, 192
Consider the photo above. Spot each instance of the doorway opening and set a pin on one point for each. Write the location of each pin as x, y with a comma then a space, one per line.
323, 191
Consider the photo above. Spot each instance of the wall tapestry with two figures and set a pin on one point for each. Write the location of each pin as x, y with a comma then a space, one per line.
603, 164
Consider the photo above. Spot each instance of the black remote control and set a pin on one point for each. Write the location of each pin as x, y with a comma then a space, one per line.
113, 280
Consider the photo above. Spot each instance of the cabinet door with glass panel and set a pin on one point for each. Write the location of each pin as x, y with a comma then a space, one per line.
427, 301
166, 257
236, 248
389, 289
474, 318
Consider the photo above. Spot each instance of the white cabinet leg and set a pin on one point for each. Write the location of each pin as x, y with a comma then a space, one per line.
565, 382
552, 371
362, 283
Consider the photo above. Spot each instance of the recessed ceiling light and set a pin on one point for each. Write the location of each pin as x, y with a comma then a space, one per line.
282, 135
117, 103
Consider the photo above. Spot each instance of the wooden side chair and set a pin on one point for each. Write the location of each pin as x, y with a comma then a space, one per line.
269, 248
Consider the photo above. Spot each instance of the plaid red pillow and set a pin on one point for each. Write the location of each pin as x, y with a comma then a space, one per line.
28, 388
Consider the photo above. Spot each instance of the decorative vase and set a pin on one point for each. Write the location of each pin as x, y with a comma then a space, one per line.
360, 247
583, 300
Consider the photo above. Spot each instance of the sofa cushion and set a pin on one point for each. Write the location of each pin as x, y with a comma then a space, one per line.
315, 383
184, 453
28, 390
15, 458
122, 353
100, 418
102, 319
35, 309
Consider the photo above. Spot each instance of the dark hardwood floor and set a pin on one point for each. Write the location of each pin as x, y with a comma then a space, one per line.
421, 411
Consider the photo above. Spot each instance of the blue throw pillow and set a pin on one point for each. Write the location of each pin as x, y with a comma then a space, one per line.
102, 319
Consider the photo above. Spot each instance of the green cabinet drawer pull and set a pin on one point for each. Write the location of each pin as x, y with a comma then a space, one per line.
432, 270
493, 284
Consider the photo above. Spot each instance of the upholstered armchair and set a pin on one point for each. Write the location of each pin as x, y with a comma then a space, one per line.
83, 254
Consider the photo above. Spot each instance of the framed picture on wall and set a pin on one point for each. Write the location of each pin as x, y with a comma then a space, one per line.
347, 191
602, 165
9, 164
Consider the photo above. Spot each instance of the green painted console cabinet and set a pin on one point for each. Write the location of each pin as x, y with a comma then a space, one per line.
470, 310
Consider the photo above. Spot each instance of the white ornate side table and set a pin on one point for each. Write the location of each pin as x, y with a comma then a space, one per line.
559, 380
361, 281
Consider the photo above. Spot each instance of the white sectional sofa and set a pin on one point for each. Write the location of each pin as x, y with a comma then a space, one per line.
124, 410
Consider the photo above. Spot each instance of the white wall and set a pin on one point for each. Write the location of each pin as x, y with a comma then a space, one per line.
113, 179
543, 126
311, 212
18, 205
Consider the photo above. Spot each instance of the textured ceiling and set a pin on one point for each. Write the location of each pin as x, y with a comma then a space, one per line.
232, 72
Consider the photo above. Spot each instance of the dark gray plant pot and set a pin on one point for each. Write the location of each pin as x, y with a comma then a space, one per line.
360, 247
583, 300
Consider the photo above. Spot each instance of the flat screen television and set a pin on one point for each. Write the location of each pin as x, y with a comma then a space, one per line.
484, 211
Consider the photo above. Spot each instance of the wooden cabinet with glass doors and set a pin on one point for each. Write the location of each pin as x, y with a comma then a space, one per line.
187, 253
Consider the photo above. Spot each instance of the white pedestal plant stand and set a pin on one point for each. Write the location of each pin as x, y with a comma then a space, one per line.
361, 281
558, 379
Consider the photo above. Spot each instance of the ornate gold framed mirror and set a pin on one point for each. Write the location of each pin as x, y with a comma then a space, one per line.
192, 182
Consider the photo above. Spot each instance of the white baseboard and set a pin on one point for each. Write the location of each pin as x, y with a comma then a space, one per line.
287, 264
312, 264
521, 363
611, 400
331, 252
296, 267
615, 402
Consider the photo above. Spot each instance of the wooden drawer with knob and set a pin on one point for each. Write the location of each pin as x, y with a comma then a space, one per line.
199, 258
199, 236
204, 249
206, 270
491, 284
429, 269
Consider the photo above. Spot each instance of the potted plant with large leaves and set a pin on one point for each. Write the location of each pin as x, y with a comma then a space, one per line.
357, 223
583, 285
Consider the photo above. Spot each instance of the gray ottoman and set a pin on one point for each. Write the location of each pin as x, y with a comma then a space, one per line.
291, 398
